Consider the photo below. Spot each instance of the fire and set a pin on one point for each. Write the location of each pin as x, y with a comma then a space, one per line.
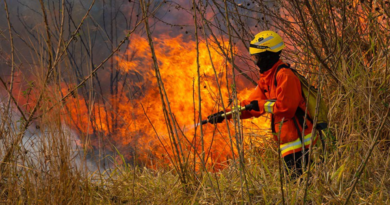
139, 121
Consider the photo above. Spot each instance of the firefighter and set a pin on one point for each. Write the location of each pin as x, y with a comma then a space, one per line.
282, 100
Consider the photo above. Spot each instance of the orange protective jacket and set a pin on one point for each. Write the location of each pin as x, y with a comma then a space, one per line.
281, 101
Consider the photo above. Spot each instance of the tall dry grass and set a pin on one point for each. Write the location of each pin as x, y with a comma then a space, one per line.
42, 164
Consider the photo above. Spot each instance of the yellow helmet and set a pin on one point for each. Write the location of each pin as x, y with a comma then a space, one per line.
266, 41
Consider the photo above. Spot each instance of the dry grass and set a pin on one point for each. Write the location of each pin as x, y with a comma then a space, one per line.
47, 173
46, 165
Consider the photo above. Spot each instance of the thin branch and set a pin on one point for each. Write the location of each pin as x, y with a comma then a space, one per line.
313, 131
194, 6
12, 56
70, 93
281, 173
164, 99
358, 173
236, 118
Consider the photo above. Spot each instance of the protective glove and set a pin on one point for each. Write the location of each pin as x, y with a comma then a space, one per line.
254, 105
216, 118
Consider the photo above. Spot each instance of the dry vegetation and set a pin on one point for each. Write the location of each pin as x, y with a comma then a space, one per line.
54, 52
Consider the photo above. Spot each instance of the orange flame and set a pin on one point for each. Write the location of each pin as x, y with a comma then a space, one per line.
141, 123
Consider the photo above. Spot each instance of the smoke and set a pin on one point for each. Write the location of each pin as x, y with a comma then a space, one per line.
40, 145
100, 114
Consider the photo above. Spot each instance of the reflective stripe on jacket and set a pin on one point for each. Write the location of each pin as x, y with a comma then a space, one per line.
282, 101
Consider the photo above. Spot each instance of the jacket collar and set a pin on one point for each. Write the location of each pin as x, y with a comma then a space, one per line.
267, 75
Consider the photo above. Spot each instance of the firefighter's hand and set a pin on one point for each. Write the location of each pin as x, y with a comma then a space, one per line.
254, 105
216, 118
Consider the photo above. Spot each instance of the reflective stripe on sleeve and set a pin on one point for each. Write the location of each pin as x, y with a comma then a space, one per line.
269, 107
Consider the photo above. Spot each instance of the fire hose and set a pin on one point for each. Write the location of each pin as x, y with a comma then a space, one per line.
235, 110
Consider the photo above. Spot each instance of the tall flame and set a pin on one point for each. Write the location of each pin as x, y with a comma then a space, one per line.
141, 123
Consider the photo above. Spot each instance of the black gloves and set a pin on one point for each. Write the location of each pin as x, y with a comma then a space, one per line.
216, 118
254, 105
